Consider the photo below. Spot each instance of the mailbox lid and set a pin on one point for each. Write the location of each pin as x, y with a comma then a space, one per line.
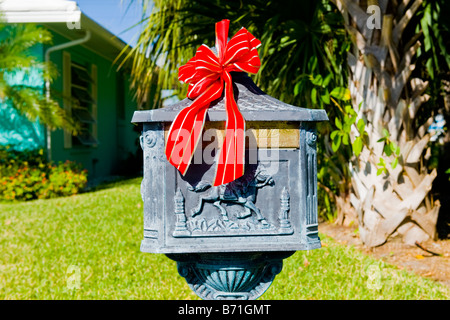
254, 104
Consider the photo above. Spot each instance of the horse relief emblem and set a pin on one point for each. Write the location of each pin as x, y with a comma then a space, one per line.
226, 209
241, 191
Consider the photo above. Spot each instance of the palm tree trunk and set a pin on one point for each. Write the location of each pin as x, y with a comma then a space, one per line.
396, 201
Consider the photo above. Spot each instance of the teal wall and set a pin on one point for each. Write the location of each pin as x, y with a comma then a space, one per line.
15, 130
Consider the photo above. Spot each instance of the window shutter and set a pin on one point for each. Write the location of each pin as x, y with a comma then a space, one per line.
94, 103
67, 94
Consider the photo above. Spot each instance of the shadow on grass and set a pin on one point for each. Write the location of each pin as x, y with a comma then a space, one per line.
112, 182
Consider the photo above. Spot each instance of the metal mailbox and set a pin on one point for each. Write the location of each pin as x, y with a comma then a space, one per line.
229, 241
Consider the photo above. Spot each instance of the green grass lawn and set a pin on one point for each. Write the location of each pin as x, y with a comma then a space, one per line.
87, 247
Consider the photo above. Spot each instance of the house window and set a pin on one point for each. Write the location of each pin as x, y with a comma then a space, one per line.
80, 89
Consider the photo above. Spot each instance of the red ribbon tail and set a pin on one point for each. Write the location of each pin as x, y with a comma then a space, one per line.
182, 141
231, 160
186, 130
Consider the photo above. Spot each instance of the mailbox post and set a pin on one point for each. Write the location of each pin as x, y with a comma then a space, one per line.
229, 241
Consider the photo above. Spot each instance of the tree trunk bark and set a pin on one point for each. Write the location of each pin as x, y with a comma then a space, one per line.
394, 201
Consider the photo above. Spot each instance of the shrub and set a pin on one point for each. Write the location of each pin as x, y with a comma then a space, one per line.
28, 175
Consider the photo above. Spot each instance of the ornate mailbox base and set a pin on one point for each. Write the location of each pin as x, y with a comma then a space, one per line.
230, 276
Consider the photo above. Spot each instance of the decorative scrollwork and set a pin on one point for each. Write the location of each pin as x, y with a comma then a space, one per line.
148, 138
311, 138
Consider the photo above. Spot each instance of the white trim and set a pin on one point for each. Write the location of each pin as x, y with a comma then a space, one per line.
43, 5
26, 11
41, 17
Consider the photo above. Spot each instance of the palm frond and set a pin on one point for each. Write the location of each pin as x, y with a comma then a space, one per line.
175, 29
22, 76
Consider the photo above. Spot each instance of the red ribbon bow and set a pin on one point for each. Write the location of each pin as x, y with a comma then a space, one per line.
208, 75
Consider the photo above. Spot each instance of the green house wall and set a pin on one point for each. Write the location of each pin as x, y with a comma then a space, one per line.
115, 106
115, 134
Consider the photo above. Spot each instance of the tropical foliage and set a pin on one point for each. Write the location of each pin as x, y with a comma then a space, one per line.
309, 40
27, 175
17, 65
